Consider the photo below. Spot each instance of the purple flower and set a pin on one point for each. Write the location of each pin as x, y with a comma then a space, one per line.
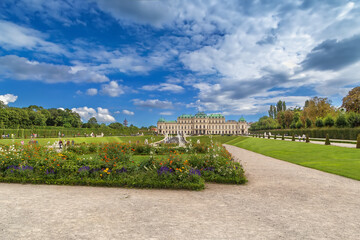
49, 171
122, 170
84, 168
193, 171
165, 170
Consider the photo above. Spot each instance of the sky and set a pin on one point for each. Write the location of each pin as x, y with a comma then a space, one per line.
142, 60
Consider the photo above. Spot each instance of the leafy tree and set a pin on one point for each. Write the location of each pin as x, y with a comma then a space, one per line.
116, 125
299, 124
329, 121
319, 122
341, 121
308, 123
93, 123
353, 119
351, 102
317, 107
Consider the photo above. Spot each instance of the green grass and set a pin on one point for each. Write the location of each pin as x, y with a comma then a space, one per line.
215, 138
119, 139
337, 160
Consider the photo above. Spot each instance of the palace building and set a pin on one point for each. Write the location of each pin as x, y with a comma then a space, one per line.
202, 124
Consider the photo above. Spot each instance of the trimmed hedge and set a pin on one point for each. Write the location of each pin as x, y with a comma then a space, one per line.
334, 133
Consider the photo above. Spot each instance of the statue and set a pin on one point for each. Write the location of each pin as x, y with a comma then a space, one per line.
198, 141
146, 141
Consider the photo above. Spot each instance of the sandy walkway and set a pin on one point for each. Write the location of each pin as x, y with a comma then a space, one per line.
281, 201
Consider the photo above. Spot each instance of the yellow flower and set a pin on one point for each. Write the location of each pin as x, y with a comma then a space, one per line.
100, 175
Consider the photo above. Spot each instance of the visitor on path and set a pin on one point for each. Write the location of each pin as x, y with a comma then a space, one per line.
60, 144
303, 137
72, 143
299, 138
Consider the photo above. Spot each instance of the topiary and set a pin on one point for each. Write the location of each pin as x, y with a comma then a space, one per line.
358, 141
282, 137
327, 140
275, 136
293, 138
269, 136
307, 139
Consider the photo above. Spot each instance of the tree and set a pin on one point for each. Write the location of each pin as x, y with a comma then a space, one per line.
351, 102
341, 121
308, 123
329, 121
115, 125
319, 122
299, 124
317, 107
353, 119
93, 123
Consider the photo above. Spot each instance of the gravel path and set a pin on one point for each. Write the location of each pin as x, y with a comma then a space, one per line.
280, 201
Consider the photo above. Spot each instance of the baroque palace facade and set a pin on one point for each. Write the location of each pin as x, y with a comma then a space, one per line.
202, 124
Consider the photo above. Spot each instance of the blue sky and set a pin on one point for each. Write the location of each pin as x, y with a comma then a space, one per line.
142, 60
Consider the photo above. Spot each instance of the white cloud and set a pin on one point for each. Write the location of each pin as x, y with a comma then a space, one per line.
19, 68
153, 103
101, 114
91, 91
164, 87
166, 113
8, 98
127, 112
112, 89
16, 37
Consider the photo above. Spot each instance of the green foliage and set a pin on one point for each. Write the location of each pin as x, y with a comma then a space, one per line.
351, 102
319, 122
293, 138
358, 141
308, 123
265, 123
327, 140
341, 121
282, 137
307, 139
353, 119
299, 124
116, 165
329, 121
275, 136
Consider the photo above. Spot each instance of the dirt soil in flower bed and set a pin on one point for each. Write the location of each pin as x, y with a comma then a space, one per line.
280, 201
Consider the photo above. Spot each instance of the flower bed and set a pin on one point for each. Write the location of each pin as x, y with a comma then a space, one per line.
116, 165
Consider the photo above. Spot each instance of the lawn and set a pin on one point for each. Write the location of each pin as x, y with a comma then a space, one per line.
215, 138
338, 160
118, 139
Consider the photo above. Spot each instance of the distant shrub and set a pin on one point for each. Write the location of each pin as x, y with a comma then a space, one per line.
308, 123
353, 119
341, 121
319, 122
282, 137
293, 138
299, 124
358, 141
307, 139
329, 121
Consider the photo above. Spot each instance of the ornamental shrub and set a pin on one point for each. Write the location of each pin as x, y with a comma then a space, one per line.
299, 124
293, 138
358, 141
269, 136
329, 121
353, 119
307, 139
341, 121
275, 136
319, 122
327, 141
308, 123
282, 137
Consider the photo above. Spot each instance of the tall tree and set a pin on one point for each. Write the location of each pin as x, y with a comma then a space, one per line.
351, 102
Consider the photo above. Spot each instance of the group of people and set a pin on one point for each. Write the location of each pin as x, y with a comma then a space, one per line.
66, 143
303, 137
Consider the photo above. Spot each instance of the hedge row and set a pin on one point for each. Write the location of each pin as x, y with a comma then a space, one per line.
68, 132
334, 133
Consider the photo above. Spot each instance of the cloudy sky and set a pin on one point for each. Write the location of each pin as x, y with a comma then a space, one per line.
140, 60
